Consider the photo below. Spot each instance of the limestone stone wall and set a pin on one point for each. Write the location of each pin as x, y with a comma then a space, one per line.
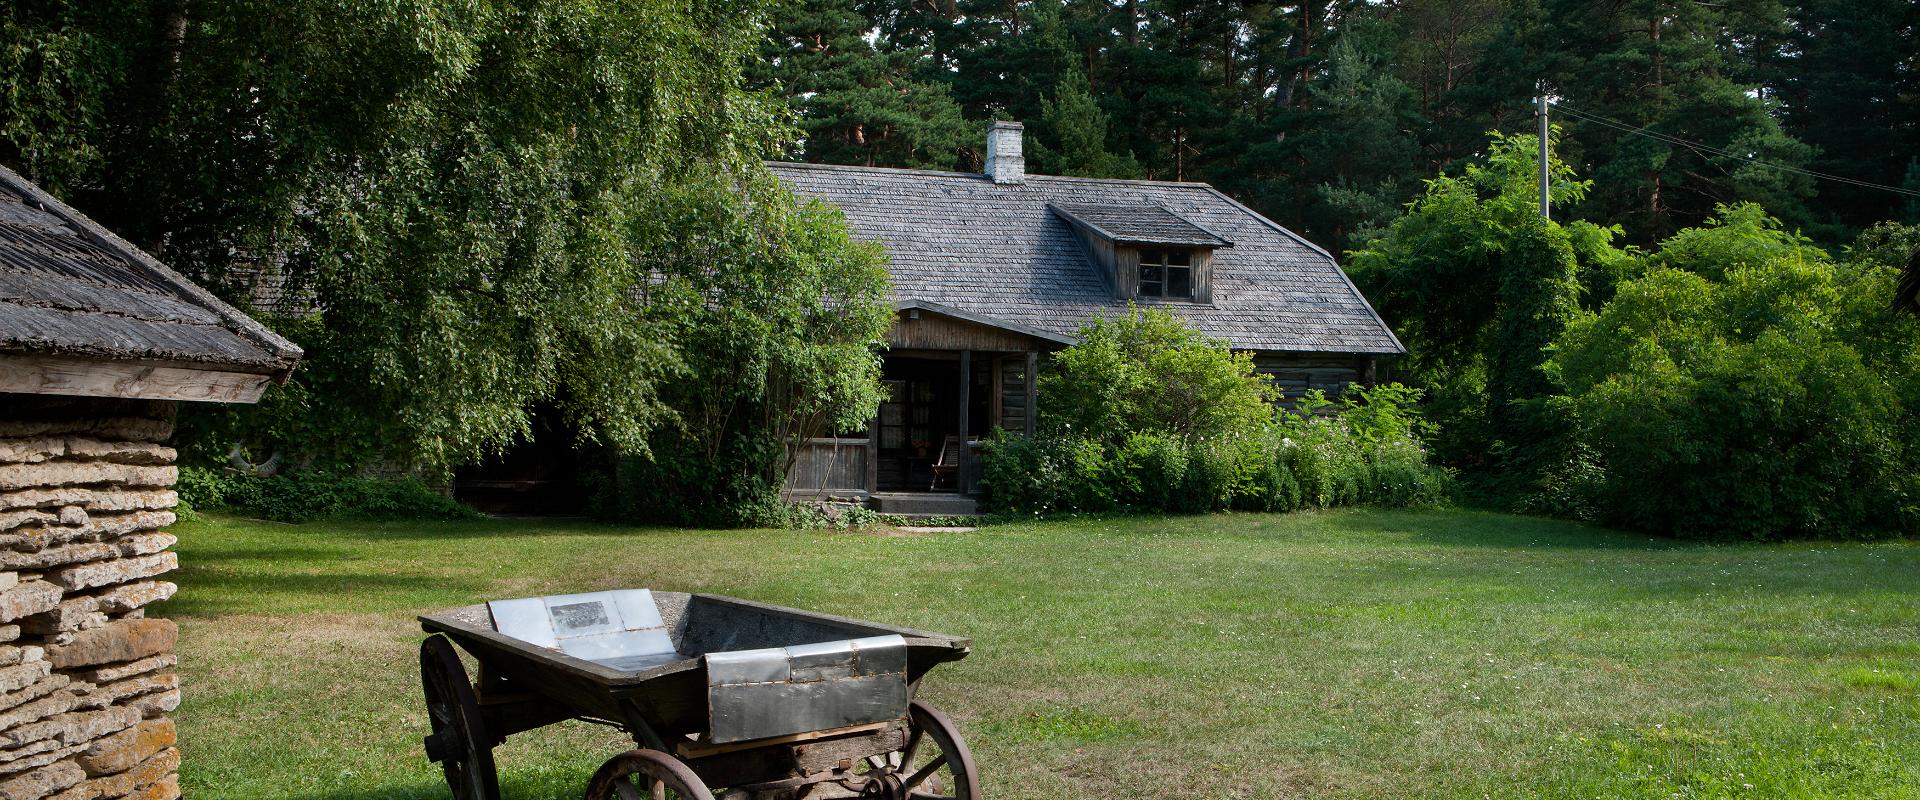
86, 678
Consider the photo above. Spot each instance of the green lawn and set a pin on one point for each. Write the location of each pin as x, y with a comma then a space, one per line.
1361, 654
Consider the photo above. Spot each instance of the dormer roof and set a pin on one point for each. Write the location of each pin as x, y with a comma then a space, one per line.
1138, 225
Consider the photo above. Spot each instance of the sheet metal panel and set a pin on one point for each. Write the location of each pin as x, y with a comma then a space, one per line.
780, 691
620, 629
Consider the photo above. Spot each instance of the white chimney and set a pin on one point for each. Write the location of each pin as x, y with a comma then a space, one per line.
1005, 162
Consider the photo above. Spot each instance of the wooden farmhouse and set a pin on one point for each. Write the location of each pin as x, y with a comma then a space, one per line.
992, 271
97, 343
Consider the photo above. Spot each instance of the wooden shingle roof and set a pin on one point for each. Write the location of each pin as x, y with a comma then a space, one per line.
1139, 225
1006, 252
71, 292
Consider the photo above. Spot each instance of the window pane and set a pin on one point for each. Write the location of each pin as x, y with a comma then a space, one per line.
1179, 282
1179, 258
1153, 257
1149, 289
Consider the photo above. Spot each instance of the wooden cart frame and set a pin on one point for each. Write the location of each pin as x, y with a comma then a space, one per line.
520, 687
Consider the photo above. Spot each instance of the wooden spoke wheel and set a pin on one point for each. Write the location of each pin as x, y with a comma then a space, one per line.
934, 765
646, 775
459, 741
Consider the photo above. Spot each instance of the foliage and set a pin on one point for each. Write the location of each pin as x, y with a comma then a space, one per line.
308, 496
1749, 386
1147, 371
449, 200
1364, 449
1477, 284
779, 315
1326, 115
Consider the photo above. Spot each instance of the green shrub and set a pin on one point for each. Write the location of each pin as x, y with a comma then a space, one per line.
1748, 387
1298, 459
304, 496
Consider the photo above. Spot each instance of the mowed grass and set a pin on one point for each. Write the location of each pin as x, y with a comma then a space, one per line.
1358, 654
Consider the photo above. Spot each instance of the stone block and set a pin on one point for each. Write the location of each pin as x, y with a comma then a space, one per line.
23, 675
121, 751
32, 450
47, 686
156, 705
31, 597
118, 691
75, 727
61, 473
151, 771
111, 427
167, 788
128, 597
106, 573
115, 672
119, 452
121, 640
9, 633
51, 750
73, 614
26, 516
57, 556
18, 724
141, 544
93, 499
81, 792
11, 654
41, 782
73, 515
9, 580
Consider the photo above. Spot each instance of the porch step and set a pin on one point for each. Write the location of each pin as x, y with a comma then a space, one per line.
924, 504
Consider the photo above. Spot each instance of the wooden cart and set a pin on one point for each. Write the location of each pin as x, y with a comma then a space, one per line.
722, 697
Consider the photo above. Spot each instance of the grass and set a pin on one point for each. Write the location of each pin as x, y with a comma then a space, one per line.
1359, 654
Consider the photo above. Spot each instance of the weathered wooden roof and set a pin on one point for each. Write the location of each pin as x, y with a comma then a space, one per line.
1139, 225
72, 289
1003, 252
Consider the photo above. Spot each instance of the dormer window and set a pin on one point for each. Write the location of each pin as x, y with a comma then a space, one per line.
1166, 273
1146, 252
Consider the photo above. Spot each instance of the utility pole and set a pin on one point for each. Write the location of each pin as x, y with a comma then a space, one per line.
1541, 102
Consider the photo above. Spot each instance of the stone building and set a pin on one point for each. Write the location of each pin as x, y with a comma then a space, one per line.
97, 343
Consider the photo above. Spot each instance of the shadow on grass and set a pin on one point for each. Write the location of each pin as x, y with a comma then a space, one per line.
218, 593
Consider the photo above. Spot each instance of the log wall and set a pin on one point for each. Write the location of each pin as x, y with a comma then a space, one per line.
1294, 374
86, 677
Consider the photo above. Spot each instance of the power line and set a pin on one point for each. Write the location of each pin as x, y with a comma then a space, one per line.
1675, 140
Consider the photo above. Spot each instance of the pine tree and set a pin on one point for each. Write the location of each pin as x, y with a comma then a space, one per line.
858, 104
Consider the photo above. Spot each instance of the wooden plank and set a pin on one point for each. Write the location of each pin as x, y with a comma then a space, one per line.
1033, 390
91, 378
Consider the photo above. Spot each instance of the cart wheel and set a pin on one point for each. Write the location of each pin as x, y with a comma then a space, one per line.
935, 764
646, 775
459, 741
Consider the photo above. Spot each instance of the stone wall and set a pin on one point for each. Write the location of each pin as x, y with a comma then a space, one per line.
86, 678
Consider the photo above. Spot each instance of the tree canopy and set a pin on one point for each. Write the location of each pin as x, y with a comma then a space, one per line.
453, 205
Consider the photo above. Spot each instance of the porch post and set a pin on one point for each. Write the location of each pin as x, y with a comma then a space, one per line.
966, 453
873, 452
1033, 391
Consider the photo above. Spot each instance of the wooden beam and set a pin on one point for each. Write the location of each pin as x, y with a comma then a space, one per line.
91, 378
1033, 392
966, 453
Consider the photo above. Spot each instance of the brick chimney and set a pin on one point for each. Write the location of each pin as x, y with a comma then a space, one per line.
1005, 162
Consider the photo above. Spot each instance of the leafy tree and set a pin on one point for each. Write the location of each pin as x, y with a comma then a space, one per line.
1477, 284
1749, 387
1147, 371
779, 315
453, 198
